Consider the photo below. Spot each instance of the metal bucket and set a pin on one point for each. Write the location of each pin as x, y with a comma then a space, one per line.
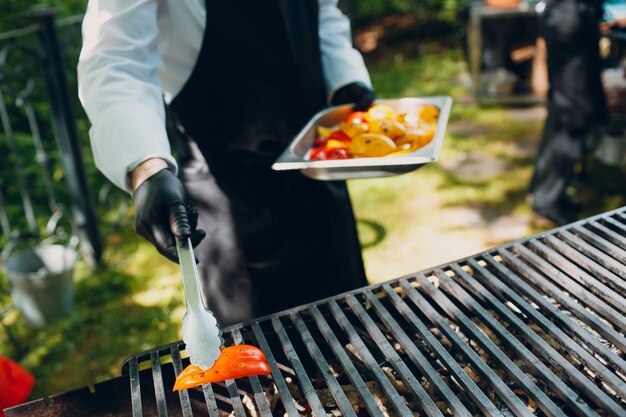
42, 282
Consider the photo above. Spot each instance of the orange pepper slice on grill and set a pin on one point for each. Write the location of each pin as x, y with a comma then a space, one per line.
234, 362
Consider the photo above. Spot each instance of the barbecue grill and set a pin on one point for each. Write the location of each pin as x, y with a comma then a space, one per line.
532, 328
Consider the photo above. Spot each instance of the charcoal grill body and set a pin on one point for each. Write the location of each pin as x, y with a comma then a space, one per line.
532, 328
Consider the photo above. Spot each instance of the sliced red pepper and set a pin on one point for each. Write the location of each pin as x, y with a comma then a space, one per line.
234, 362
340, 135
315, 152
357, 117
320, 143
323, 154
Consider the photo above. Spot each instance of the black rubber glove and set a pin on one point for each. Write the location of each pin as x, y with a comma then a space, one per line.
358, 93
161, 213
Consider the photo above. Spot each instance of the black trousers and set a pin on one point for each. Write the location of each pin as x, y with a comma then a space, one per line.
559, 151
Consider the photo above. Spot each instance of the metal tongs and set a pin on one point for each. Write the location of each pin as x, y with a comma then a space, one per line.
201, 334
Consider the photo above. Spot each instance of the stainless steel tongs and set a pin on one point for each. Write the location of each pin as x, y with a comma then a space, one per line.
201, 333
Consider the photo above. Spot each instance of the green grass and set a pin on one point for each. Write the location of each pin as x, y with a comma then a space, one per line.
406, 223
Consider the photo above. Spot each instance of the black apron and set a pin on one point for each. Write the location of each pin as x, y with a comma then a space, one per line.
275, 239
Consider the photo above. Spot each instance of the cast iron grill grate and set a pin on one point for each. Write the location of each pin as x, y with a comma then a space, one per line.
532, 328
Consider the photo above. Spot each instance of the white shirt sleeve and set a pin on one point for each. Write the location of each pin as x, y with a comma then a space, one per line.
119, 86
341, 62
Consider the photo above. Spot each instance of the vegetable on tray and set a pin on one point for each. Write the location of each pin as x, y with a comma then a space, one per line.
380, 131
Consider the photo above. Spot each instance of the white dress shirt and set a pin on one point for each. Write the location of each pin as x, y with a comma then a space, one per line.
137, 53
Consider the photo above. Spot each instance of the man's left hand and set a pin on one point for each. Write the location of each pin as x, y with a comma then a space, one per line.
357, 92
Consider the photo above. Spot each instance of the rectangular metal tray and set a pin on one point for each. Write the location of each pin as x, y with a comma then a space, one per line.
294, 156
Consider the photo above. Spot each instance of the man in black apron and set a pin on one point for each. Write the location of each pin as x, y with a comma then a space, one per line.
275, 239
576, 102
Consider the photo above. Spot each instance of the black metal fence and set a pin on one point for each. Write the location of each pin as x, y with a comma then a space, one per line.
46, 187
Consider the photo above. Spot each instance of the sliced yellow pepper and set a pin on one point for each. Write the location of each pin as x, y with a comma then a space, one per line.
371, 144
381, 111
324, 131
429, 114
353, 129
334, 144
416, 138
391, 128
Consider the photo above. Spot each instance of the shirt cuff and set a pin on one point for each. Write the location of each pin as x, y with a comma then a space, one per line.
343, 67
126, 135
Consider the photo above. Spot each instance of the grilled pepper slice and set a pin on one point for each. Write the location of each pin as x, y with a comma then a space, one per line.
371, 144
234, 362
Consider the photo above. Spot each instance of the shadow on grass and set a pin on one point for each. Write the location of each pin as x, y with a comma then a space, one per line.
374, 232
600, 187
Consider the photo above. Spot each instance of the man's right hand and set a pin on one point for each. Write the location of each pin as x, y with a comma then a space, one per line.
161, 213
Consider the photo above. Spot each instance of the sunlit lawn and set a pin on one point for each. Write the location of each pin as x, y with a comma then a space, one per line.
406, 223
402, 225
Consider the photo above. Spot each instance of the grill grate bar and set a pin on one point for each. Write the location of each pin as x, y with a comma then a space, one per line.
394, 359
235, 399
135, 387
286, 397
601, 243
185, 404
571, 288
417, 358
550, 289
474, 287
210, 400
346, 363
231, 385
616, 239
594, 253
259, 396
323, 367
554, 357
512, 401
611, 279
582, 277
374, 367
301, 374
157, 379
475, 393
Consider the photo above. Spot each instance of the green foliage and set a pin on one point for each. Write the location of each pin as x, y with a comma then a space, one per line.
13, 12
23, 72
441, 10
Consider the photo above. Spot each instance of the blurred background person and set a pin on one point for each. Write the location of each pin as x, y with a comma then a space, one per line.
576, 103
